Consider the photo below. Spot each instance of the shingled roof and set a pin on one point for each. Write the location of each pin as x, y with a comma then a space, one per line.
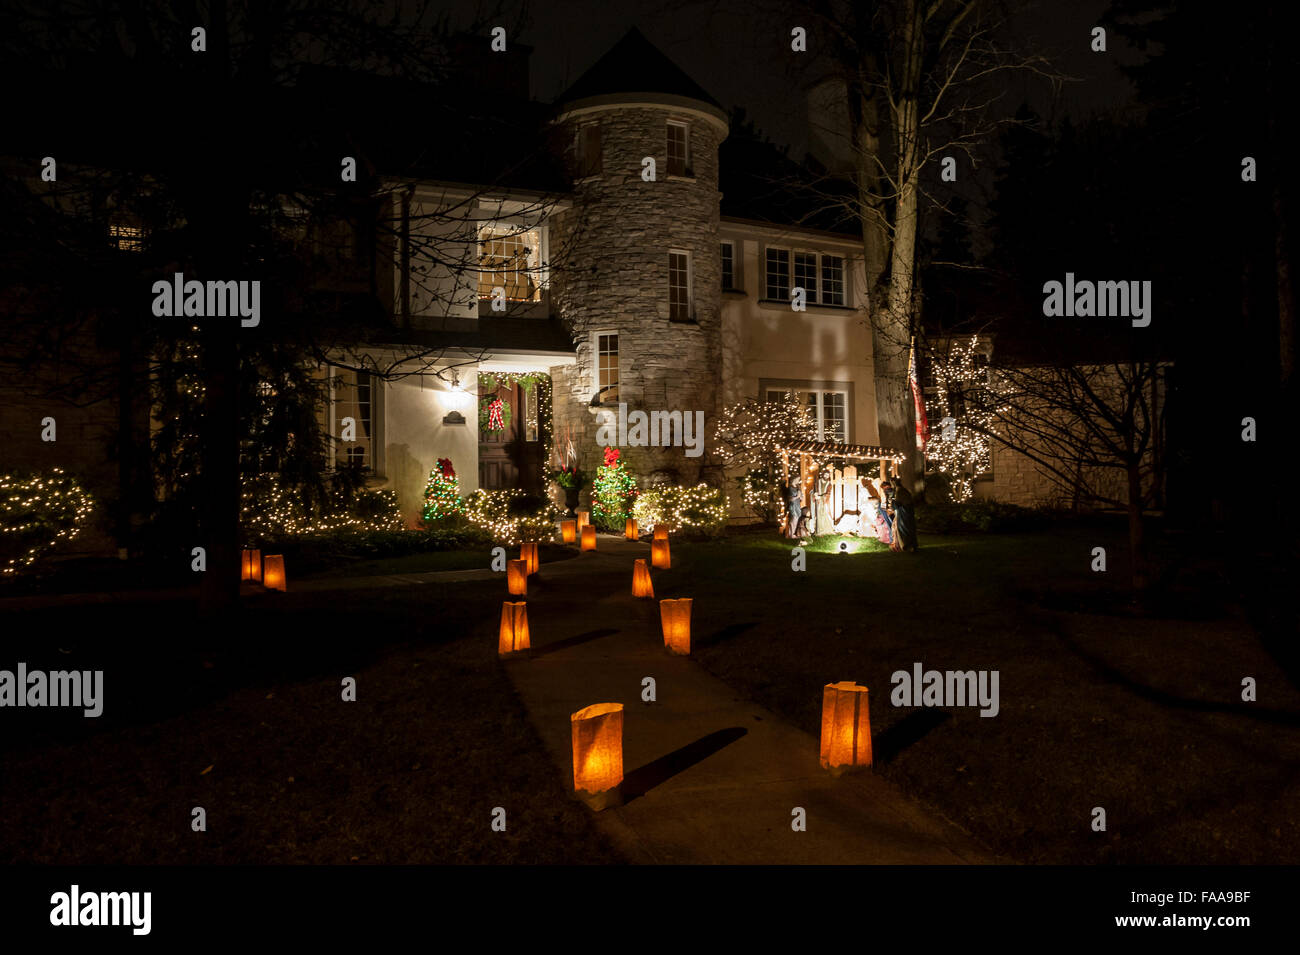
635, 65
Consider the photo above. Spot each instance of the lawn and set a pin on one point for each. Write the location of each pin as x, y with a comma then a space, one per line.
1138, 713
246, 720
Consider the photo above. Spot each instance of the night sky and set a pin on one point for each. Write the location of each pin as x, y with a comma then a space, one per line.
721, 45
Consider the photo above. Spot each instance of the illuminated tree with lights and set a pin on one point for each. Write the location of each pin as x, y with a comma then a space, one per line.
746, 438
442, 493
963, 415
612, 493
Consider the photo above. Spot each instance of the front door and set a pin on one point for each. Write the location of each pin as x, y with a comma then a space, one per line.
511, 457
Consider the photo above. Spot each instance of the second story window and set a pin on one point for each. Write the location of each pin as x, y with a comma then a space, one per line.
679, 287
510, 258
588, 150
778, 274
679, 149
728, 267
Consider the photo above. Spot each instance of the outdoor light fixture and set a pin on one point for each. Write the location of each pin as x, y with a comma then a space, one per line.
843, 547
598, 754
846, 728
629, 529
661, 532
675, 617
514, 628
251, 565
588, 537
659, 556
641, 584
517, 577
528, 553
273, 573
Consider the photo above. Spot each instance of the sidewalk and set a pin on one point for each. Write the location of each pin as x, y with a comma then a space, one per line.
708, 778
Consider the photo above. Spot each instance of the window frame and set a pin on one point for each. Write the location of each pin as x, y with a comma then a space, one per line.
687, 167
597, 366
816, 296
773, 389
732, 285
690, 286
534, 270
586, 167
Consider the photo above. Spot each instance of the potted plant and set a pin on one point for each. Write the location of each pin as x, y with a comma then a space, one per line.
572, 480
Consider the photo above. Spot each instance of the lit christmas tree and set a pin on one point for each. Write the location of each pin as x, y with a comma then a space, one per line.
612, 493
442, 493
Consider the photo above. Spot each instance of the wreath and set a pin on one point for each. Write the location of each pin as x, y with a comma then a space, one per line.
487, 421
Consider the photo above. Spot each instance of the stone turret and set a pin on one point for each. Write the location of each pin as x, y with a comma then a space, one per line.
611, 251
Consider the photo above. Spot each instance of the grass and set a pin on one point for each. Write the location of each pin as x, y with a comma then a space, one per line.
246, 720
1140, 714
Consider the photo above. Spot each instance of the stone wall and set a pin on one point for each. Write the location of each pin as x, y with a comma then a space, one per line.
609, 257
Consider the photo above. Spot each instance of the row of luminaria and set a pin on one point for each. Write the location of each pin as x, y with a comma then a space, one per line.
597, 730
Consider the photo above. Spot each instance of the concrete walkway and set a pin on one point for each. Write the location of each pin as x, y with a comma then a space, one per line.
709, 778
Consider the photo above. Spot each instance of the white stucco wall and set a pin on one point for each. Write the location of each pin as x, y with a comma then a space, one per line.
770, 341
415, 437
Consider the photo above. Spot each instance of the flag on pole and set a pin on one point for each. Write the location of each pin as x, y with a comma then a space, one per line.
922, 425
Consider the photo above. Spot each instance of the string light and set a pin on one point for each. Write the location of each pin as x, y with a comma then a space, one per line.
267, 510
490, 511
56, 504
681, 508
967, 448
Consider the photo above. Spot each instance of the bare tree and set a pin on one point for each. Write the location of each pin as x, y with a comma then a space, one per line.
1095, 431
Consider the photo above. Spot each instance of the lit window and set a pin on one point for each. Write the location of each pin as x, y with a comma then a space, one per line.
607, 367
679, 287
728, 267
127, 238
679, 150
510, 258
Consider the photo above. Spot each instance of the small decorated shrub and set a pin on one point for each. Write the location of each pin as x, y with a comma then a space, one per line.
701, 509
612, 493
510, 517
442, 493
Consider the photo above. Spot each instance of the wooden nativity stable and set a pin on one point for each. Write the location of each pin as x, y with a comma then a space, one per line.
830, 476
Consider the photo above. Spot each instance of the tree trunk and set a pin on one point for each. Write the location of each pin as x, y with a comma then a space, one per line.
894, 322
1135, 530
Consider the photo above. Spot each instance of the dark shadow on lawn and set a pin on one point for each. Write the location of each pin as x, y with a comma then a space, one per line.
1251, 711
729, 631
573, 641
911, 729
645, 778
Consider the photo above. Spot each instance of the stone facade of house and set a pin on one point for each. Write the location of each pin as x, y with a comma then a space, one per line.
610, 259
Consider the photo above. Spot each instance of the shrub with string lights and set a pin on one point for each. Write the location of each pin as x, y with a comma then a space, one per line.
702, 509
504, 516
613, 493
269, 510
38, 512
747, 435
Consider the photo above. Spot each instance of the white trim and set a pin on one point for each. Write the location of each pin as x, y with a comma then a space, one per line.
595, 360
690, 286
